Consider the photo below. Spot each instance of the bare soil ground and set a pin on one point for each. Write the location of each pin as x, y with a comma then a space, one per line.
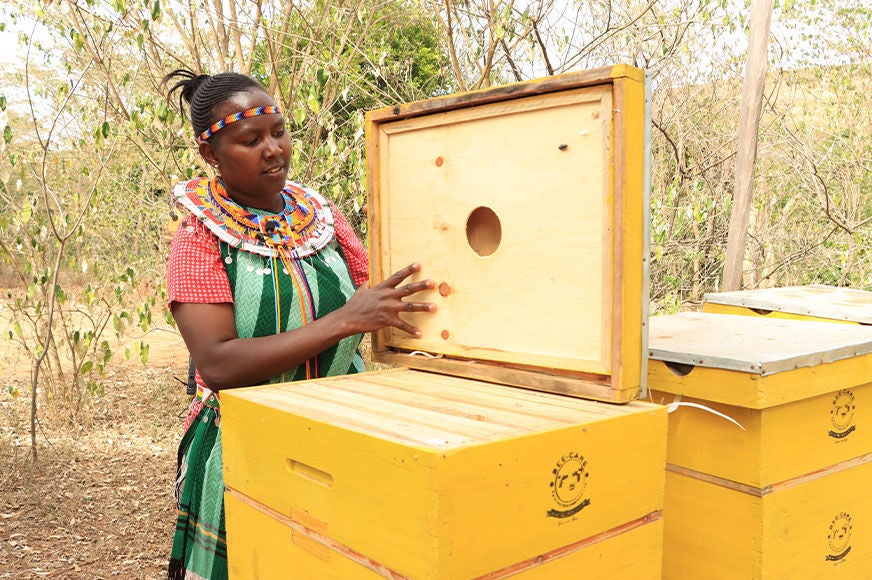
98, 502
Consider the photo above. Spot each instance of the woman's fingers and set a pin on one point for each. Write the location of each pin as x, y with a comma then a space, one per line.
395, 281
408, 328
397, 277
415, 287
382, 305
409, 306
419, 307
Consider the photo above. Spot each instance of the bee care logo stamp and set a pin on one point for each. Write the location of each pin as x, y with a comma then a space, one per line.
568, 485
842, 415
839, 537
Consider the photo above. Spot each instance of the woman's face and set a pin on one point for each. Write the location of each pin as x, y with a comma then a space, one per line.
253, 154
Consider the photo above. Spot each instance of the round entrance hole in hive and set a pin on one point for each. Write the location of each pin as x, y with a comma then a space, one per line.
483, 231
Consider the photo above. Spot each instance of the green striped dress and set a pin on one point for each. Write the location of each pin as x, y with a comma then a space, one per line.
279, 280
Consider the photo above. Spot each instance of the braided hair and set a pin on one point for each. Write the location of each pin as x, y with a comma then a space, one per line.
203, 93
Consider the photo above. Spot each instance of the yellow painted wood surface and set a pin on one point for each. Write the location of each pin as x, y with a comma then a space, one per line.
812, 302
821, 528
630, 215
442, 477
755, 363
265, 546
778, 443
756, 392
260, 547
524, 156
634, 555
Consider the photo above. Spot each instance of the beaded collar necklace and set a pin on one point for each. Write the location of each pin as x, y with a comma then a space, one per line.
274, 229
302, 227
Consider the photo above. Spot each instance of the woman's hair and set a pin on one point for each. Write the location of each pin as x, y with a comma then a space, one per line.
204, 92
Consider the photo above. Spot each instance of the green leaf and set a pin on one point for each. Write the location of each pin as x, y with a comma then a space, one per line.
7, 134
2, 102
107, 352
143, 352
313, 102
299, 115
26, 212
86, 367
162, 111
155, 10
105, 128
17, 329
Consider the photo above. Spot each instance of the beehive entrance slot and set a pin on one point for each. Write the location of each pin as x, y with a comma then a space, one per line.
483, 231
679, 369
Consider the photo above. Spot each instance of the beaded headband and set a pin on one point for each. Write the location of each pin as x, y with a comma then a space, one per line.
217, 126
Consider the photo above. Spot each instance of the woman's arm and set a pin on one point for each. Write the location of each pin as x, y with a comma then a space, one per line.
225, 360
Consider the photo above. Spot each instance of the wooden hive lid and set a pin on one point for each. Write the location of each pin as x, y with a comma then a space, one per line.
818, 300
526, 204
761, 346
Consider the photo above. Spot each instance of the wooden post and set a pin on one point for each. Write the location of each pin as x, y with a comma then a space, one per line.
749, 122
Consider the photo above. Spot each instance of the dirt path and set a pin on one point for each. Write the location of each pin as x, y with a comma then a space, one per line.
98, 503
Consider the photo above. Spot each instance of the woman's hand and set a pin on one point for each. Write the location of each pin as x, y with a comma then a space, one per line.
224, 360
370, 309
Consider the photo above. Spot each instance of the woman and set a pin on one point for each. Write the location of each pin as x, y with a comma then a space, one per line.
262, 282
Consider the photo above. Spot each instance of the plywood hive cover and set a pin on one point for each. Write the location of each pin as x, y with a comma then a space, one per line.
525, 204
753, 345
755, 362
815, 300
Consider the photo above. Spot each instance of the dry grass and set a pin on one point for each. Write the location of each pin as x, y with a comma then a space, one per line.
98, 503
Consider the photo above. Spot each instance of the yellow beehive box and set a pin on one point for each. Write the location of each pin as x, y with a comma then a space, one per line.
410, 474
813, 302
526, 204
769, 446
812, 528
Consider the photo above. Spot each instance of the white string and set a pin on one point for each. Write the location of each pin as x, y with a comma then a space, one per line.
674, 405
425, 354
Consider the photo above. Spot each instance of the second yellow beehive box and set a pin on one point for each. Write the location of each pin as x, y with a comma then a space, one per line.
769, 446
